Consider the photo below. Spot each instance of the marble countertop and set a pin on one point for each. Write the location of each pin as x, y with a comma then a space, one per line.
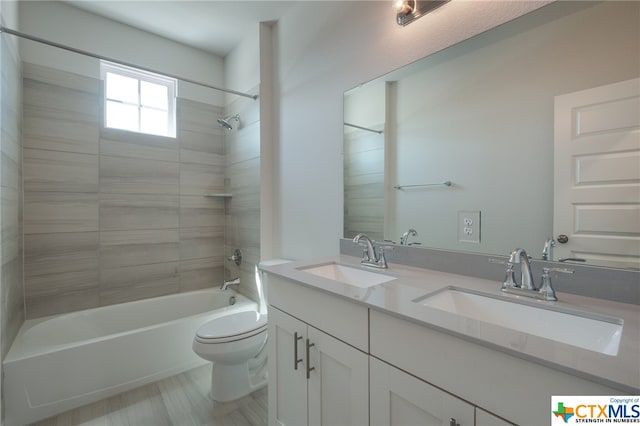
620, 371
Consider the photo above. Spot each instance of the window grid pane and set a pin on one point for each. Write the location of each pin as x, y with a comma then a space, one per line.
138, 105
153, 121
154, 95
122, 116
122, 88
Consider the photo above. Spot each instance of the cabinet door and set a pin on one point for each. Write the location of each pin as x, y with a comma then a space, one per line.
287, 379
484, 418
338, 383
398, 398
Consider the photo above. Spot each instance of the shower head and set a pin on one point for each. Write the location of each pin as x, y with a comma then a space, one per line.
225, 121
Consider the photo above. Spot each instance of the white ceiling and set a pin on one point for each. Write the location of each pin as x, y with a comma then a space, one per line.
211, 25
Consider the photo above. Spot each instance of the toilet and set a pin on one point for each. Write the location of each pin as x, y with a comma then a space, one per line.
236, 344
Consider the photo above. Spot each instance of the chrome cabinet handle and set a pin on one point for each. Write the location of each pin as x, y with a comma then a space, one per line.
309, 368
296, 361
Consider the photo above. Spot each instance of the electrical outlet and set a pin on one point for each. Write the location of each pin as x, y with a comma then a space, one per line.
469, 226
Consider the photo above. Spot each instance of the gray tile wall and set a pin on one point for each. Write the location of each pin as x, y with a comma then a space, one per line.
242, 178
11, 289
113, 216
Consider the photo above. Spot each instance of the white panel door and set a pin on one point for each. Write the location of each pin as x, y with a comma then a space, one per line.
597, 174
287, 378
338, 383
399, 399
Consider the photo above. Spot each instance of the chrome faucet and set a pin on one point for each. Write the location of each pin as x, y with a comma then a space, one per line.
527, 286
547, 250
519, 256
369, 255
225, 285
405, 237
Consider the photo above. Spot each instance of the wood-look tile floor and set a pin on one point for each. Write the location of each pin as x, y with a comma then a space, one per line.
180, 400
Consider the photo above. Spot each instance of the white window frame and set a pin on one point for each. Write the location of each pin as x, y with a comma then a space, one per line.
140, 75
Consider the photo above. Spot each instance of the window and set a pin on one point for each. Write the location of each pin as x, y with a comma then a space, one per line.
138, 101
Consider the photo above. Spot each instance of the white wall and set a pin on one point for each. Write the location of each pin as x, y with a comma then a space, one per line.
324, 49
242, 65
9, 13
70, 26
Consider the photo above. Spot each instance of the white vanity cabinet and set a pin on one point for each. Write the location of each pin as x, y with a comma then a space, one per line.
315, 379
333, 361
399, 399
489, 379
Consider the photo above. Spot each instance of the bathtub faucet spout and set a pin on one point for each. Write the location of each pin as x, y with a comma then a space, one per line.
225, 285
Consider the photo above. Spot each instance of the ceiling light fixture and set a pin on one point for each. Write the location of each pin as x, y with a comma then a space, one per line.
408, 11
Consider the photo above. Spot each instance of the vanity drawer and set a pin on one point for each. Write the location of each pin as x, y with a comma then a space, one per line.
338, 317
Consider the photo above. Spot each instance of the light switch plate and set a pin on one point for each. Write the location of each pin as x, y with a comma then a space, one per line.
469, 226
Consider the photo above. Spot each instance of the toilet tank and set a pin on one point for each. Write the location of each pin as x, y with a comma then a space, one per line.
262, 289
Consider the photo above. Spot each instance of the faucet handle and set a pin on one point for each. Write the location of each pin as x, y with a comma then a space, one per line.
509, 278
365, 253
546, 287
382, 259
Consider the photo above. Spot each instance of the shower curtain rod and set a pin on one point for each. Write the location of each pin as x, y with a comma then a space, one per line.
4, 29
363, 128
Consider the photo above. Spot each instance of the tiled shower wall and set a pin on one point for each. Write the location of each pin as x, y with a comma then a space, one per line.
242, 175
11, 288
113, 216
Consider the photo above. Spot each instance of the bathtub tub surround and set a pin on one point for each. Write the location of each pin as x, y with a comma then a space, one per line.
66, 361
454, 343
136, 224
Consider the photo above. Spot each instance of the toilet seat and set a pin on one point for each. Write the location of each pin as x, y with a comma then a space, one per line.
230, 328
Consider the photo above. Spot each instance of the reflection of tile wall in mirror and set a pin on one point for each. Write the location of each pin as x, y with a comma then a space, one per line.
11, 203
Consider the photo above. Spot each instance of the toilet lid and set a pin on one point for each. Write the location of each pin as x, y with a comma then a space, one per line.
234, 325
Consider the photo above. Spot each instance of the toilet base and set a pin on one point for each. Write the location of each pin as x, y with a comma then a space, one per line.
231, 382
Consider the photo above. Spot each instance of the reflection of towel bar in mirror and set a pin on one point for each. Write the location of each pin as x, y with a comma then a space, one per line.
447, 183
363, 128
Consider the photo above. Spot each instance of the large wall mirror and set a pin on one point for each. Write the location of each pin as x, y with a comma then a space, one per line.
534, 125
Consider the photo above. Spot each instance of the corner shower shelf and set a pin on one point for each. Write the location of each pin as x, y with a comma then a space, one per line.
218, 195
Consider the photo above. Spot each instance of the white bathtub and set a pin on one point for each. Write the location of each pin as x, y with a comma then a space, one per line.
65, 361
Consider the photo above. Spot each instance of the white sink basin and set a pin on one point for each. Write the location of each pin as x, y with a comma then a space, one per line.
348, 275
588, 331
